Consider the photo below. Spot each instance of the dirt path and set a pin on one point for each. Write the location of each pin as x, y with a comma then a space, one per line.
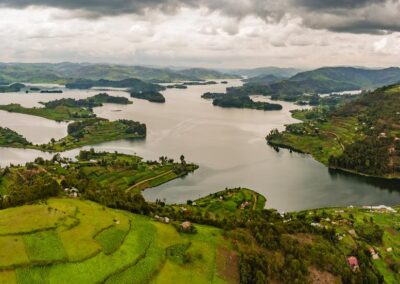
337, 138
146, 180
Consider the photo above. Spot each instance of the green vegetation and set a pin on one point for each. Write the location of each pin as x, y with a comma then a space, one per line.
10, 138
62, 73
59, 113
226, 203
151, 96
113, 179
236, 99
86, 130
360, 136
94, 131
53, 240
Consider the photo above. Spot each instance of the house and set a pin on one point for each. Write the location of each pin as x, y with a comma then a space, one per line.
244, 205
186, 226
373, 253
353, 262
381, 209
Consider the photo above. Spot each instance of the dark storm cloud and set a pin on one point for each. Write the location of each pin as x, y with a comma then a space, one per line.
335, 4
353, 16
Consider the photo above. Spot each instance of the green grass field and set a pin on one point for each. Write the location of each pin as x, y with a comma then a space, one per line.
105, 245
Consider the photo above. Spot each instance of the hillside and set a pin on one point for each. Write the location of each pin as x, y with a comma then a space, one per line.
72, 241
64, 240
264, 80
225, 237
362, 136
66, 72
264, 71
327, 80
206, 74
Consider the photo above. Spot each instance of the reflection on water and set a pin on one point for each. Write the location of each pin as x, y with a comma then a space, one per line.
229, 145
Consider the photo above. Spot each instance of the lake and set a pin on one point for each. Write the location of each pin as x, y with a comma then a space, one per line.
228, 144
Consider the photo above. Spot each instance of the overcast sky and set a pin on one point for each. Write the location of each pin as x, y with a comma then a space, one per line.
204, 33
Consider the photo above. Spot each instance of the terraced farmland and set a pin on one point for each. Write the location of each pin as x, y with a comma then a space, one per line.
72, 241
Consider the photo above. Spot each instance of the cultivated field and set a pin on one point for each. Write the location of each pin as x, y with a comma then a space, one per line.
72, 241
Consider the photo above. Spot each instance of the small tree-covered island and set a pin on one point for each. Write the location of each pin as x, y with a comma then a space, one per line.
236, 98
361, 136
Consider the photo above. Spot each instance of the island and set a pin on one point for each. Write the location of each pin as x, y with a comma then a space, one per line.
360, 136
151, 96
67, 109
86, 129
233, 99
177, 86
51, 91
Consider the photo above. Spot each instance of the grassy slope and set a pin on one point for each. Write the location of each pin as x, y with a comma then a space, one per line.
89, 250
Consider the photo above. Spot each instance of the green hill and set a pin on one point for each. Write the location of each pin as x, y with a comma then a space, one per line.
264, 71
206, 74
361, 136
327, 80
72, 241
67, 72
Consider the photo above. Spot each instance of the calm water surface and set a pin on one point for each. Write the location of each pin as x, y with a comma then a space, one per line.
228, 144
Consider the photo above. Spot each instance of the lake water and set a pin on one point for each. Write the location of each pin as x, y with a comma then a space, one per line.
228, 144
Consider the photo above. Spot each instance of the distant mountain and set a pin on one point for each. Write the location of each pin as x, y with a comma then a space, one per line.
66, 72
29, 73
329, 79
264, 71
132, 84
206, 74
264, 79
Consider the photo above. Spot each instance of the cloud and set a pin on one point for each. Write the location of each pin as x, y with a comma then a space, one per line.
352, 16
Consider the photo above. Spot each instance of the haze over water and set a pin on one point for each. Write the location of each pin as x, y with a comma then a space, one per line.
228, 144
